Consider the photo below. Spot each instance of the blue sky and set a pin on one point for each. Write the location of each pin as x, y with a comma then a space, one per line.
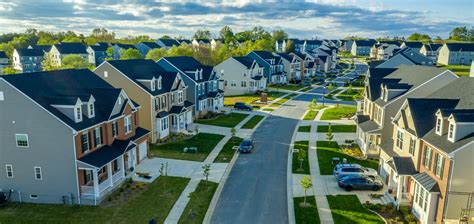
304, 19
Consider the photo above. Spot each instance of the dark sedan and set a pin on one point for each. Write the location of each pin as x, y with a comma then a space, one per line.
360, 182
246, 146
242, 106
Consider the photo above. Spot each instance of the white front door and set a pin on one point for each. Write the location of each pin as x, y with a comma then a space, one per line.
142, 152
189, 117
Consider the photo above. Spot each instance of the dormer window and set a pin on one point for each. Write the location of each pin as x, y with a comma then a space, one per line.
438, 126
196, 75
158, 83
152, 85
451, 132
91, 112
200, 74
78, 114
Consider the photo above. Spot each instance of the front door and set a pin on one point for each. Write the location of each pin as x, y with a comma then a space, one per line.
132, 158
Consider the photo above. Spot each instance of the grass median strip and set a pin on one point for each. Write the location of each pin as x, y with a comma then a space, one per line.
154, 202
198, 203
252, 122
301, 167
228, 120
338, 112
348, 209
306, 215
204, 142
337, 128
310, 115
225, 155
306, 128
250, 98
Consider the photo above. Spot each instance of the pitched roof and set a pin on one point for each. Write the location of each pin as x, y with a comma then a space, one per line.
296, 41
365, 43
151, 45
314, 42
45, 48
394, 42
169, 42
414, 56
30, 52
100, 47
188, 65
413, 44
145, 69
125, 46
71, 48
286, 56
244, 60
432, 47
103, 155
402, 165
460, 46
2, 54
49, 87
423, 110
426, 181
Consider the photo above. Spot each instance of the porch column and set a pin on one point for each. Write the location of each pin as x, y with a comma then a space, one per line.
121, 164
109, 174
399, 189
95, 178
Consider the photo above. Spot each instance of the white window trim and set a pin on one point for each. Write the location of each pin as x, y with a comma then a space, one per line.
125, 123
451, 134
91, 109
97, 136
439, 126
40, 173
11, 170
400, 147
27, 141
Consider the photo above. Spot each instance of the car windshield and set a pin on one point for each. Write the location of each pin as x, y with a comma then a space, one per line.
246, 143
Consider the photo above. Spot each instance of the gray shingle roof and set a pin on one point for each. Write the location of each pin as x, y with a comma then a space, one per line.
402, 165
460, 46
244, 60
423, 110
414, 56
71, 48
426, 181
365, 43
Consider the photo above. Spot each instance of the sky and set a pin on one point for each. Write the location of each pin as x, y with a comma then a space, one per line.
301, 18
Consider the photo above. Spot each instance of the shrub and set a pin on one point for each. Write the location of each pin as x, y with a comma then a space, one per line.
410, 218
132, 188
121, 190
130, 180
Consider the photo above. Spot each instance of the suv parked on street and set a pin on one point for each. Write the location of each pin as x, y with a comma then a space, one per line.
345, 169
246, 146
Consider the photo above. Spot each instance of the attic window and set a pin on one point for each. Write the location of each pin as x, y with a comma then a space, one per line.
152, 85
438, 126
91, 110
106, 74
158, 83
200, 74
78, 114
451, 132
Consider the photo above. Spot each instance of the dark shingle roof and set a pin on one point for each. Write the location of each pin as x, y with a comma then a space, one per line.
244, 60
365, 43
413, 44
100, 47
402, 165
169, 42
2, 54
30, 52
145, 69
102, 156
426, 181
414, 56
286, 56
314, 42
45, 48
188, 65
71, 48
151, 45
460, 46
48, 87
394, 42
125, 46
423, 110
432, 47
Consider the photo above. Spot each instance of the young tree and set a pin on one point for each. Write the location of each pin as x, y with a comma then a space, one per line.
329, 134
279, 35
290, 46
301, 157
306, 184
9, 71
330, 87
131, 54
233, 132
156, 54
312, 105
206, 169
74, 61
349, 88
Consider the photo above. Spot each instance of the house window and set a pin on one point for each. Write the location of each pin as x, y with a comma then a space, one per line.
85, 142
439, 166
78, 114
98, 136
438, 126
2, 98
87, 176
451, 131
91, 110
152, 85
411, 150
115, 129
158, 83
128, 124
38, 174
180, 96
21, 140
9, 169
427, 157
233, 83
33, 196
399, 141
243, 84
106, 74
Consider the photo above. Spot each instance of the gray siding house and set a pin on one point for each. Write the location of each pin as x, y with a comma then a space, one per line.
97, 53
456, 54
362, 47
28, 60
145, 47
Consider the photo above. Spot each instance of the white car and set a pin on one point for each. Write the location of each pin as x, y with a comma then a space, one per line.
347, 169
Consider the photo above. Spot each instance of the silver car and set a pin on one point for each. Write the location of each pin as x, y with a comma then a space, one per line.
346, 169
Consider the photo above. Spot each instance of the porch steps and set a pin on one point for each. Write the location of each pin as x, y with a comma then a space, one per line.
386, 199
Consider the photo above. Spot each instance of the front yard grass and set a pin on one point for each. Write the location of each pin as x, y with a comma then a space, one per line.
346, 96
252, 122
462, 70
198, 203
326, 151
205, 143
338, 112
155, 202
286, 87
337, 128
306, 128
251, 99
348, 209
300, 145
310, 115
225, 155
228, 120
306, 215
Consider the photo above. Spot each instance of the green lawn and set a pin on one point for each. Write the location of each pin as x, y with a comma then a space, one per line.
286, 87
268, 109
250, 98
346, 96
225, 155
252, 122
328, 151
336, 113
348, 209
205, 143
151, 203
337, 128
461, 70
228, 120
198, 204
310, 115
301, 145
307, 215
304, 128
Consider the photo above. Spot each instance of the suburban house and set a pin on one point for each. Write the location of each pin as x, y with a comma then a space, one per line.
325, 63
431, 50
241, 75
272, 66
97, 53
184, 41
456, 54
310, 45
415, 45
292, 65
202, 82
119, 49
383, 50
432, 150
406, 56
299, 44
385, 91
347, 45
310, 64
279, 46
201, 42
68, 137
160, 93
362, 47
215, 43
168, 43
144, 47
28, 60
3, 61
61, 50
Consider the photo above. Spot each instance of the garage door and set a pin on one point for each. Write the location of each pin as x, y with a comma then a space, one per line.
189, 117
142, 150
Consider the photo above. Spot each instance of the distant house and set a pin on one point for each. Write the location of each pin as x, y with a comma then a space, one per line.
362, 47
456, 54
201, 42
61, 50
347, 45
28, 60
292, 65
202, 82
44, 48
168, 43
383, 49
97, 53
120, 48
241, 75
431, 50
309, 64
215, 43
406, 56
184, 41
279, 46
310, 45
299, 44
3, 61
325, 63
145, 47
273, 66
415, 45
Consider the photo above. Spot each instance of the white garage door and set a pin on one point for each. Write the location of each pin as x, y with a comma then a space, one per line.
189, 117
142, 150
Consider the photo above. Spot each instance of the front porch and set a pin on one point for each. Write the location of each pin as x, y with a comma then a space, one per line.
397, 172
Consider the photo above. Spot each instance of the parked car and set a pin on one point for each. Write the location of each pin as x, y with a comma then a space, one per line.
246, 146
346, 169
360, 182
242, 106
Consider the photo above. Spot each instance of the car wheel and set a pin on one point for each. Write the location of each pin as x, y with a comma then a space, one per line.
375, 188
348, 188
